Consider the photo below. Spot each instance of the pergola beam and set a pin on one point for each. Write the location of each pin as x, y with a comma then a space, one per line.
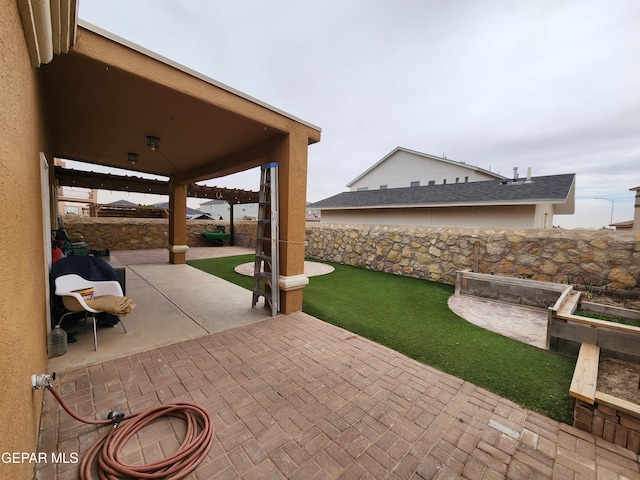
105, 181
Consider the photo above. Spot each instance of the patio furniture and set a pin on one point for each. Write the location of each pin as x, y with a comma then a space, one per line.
99, 296
217, 237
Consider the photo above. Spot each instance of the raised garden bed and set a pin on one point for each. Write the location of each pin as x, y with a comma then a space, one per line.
606, 397
606, 380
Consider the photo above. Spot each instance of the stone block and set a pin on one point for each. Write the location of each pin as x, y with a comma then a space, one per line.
607, 411
582, 425
583, 417
632, 423
633, 441
609, 433
597, 426
621, 436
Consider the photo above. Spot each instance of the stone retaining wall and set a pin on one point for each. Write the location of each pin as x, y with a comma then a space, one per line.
608, 423
586, 257
145, 233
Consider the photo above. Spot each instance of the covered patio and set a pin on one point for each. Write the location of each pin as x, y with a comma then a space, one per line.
294, 397
115, 104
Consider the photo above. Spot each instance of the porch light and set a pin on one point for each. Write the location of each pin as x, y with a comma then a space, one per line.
153, 142
132, 157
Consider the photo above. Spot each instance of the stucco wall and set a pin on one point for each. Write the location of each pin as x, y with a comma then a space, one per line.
524, 216
591, 257
22, 275
142, 233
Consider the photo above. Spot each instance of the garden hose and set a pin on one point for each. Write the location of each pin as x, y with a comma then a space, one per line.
106, 450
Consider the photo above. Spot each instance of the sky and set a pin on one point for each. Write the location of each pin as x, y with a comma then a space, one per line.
551, 85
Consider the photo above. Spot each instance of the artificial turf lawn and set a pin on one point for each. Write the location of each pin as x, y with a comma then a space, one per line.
411, 316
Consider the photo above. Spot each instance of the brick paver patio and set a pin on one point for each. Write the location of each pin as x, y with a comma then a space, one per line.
294, 397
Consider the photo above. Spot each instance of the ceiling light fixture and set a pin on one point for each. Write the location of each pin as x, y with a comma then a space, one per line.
132, 157
153, 142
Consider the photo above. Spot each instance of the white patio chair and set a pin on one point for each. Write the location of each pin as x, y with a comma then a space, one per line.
68, 287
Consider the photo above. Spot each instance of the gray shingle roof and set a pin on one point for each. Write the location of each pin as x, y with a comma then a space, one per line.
545, 189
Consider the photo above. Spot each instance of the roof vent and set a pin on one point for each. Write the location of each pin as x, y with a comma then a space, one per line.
529, 176
515, 180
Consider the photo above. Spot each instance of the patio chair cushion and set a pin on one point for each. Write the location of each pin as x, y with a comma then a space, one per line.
112, 304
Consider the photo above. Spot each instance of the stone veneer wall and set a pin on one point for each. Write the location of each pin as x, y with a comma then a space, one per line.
144, 233
587, 257
608, 423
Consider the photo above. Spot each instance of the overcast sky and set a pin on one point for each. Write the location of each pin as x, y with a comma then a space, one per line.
547, 84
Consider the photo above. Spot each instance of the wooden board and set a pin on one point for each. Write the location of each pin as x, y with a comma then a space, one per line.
611, 311
618, 403
569, 303
585, 376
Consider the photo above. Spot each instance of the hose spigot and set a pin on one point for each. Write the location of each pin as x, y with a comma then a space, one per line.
42, 380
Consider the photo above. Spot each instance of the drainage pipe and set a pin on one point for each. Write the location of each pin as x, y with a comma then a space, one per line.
106, 450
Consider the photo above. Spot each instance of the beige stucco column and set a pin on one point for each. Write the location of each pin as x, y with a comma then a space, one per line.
291, 155
177, 222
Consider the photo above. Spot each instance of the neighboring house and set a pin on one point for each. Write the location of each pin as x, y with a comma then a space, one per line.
630, 225
72, 201
220, 208
412, 188
407, 168
192, 213
311, 214
521, 203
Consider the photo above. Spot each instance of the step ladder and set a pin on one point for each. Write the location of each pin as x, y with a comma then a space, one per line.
266, 271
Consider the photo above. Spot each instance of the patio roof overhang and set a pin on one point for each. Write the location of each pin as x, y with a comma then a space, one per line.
104, 97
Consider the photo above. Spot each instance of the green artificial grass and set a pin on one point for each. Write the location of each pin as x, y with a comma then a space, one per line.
411, 316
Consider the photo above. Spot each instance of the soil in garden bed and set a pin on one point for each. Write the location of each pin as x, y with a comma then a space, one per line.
620, 379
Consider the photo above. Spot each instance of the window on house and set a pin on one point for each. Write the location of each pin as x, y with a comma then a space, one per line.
444, 182
363, 189
432, 182
457, 179
383, 187
415, 183
466, 179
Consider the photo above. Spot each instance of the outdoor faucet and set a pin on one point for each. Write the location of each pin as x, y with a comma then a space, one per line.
42, 380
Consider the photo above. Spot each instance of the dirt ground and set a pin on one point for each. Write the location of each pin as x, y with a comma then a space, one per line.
619, 379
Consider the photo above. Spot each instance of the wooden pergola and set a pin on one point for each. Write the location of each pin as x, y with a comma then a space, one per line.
67, 177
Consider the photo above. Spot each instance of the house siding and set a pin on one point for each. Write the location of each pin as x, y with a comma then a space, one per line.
23, 273
524, 216
404, 167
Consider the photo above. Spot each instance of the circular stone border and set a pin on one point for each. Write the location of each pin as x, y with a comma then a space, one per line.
311, 269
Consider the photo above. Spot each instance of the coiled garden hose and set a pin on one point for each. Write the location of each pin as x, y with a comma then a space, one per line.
107, 449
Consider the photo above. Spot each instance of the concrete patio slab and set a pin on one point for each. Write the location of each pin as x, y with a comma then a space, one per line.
311, 269
173, 303
527, 325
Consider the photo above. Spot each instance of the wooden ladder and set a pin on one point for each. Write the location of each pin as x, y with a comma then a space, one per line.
266, 270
